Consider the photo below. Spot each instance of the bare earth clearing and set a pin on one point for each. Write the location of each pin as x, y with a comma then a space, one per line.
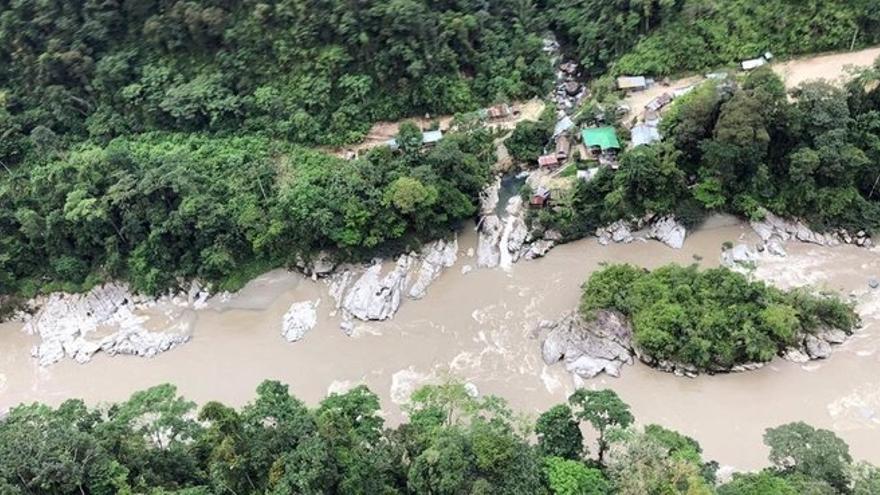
834, 68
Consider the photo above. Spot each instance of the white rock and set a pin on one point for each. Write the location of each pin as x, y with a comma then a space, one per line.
375, 298
618, 231
299, 319
775, 248
668, 231
833, 336
472, 390
466, 269
488, 251
435, 258
817, 348
538, 249
66, 323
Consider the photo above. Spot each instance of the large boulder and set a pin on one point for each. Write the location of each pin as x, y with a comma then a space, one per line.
618, 231
298, 320
538, 249
816, 347
668, 231
591, 346
68, 324
741, 255
373, 297
435, 257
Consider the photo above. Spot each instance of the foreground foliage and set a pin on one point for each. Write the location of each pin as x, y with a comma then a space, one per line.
157, 442
713, 319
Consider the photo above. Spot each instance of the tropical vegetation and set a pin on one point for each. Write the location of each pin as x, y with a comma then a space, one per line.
158, 442
713, 319
747, 146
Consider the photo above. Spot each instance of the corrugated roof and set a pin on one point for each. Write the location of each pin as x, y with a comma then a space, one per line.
631, 82
548, 160
644, 134
753, 63
562, 125
431, 136
603, 137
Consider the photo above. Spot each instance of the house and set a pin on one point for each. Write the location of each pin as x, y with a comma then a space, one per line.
644, 134
540, 198
548, 161
499, 111
562, 125
632, 83
659, 102
603, 139
753, 63
563, 147
429, 138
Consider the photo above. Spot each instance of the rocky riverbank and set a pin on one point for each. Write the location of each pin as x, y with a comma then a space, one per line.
603, 343
366, 293
665, 229
109, 319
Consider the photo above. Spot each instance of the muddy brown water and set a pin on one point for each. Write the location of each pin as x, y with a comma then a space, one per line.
478, 327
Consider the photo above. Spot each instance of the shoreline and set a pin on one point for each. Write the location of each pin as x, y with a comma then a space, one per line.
487, 341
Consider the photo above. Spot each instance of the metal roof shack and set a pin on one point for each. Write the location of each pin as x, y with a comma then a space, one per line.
548, 161
563, 147
432, 137
644, 134
428, 138
562, 125
632, 83
499, 111
659, 102
753, 63
540, 198
604, 138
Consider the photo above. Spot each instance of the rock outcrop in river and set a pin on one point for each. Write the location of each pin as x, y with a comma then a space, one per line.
299, 319
664, 229
589, 346
774, 228
603, 343
106, 319
367, 294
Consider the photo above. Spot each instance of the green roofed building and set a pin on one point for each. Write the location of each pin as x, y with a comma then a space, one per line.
604, 138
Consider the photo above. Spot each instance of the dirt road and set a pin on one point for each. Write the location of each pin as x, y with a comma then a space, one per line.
834, 67
381, 132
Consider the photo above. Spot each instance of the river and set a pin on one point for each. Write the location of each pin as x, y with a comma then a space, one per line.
478, 327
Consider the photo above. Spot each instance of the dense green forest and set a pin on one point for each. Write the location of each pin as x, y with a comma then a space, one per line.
158, 141
308, 71
747, 146
159, 208
713, 319
663, 37
452, 444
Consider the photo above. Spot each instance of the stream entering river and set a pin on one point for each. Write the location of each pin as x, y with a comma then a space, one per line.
478, 327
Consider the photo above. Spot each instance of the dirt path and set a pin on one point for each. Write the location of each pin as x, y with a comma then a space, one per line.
834, 68
381, 132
